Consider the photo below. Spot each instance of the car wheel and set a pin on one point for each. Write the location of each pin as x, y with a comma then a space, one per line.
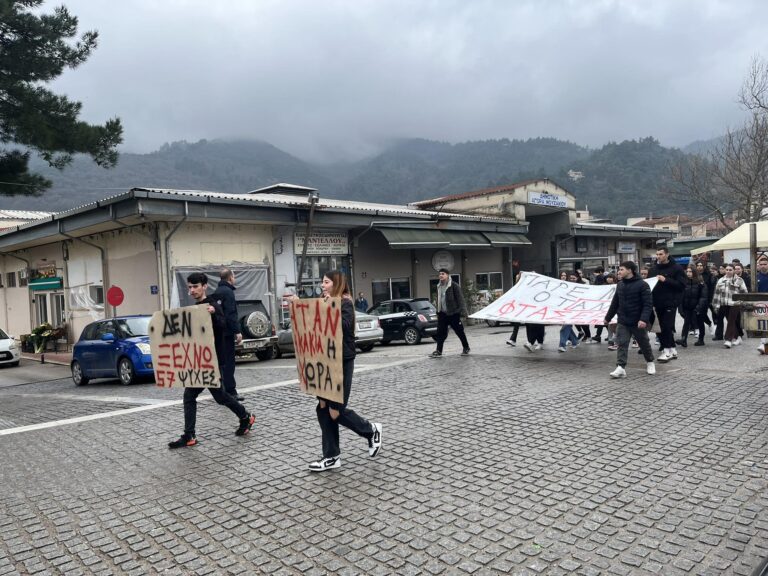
492, 323
265, 354
411, 335
278, 353
125, 371
366, 347
77, 374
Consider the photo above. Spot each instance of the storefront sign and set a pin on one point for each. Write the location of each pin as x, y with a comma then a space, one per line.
317, 340
626, 247
443, 259
323, 243
544, 199
183, 351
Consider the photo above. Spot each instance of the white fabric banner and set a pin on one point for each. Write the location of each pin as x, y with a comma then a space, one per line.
539, 299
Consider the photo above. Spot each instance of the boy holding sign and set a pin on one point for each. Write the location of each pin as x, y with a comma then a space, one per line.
197, 283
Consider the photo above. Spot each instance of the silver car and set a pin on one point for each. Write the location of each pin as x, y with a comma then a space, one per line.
367, 333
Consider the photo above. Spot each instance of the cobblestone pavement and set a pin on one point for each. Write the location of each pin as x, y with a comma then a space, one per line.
500, 462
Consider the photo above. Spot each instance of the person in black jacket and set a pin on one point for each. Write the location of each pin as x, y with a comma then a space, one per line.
450, 308
709, 281
225, 296
666, 299
600, 280
633, 304
331, 414
197, 283
693, 307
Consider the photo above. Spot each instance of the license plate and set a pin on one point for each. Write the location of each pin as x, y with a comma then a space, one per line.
249, 344
364, 325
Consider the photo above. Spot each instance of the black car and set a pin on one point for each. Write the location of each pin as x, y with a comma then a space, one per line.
409, 319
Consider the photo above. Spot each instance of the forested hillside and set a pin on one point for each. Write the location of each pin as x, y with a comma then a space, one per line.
618, 180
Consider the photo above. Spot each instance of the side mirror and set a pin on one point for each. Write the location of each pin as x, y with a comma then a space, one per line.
109, 337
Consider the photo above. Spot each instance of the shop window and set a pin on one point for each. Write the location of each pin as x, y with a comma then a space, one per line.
490, 281
97, 294
315, 268
390, 289
11, 279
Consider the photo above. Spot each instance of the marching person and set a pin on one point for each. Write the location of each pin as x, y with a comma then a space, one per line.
331, 414
197, 283
725, 307
600, 279
666, 298
450, 308
762, 286
693, 307
632, 302
225, 296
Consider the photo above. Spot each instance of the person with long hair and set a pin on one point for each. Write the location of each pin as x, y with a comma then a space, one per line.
725, 306
693, 307
332, 414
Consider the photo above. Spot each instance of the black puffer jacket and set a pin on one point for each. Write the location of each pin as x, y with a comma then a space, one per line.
709, 282
348, 328
631, 301
695, 296
669, 293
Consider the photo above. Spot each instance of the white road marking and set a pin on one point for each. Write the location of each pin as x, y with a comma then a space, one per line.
164, 403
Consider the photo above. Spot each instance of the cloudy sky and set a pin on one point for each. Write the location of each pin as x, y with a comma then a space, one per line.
332, 79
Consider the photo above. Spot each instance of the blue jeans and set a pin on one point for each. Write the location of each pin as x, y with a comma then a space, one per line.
566, 334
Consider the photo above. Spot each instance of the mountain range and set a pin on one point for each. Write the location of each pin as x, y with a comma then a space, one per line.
615, 181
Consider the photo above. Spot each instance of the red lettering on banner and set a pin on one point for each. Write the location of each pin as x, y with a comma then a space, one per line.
540, 312
318, 325
300, 307
332, 317
507, 308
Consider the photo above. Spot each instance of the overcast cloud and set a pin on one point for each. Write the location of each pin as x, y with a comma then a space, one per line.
334, 79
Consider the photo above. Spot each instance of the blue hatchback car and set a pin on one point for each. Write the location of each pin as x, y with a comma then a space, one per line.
116, 347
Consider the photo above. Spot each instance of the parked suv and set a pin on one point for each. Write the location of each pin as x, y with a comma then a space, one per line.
257, 330
409, 319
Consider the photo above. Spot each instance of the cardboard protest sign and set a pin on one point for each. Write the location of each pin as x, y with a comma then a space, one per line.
539, 299
183, 350
317, 340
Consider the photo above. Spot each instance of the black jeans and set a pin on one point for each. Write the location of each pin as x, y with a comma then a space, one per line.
666, 318
534, 333
692, 318
228, 366
515, 330
347, 417
219, 394
454, 321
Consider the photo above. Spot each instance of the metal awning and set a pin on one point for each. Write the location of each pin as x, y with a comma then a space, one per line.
413, 238
52, 283
498, 239
466, 239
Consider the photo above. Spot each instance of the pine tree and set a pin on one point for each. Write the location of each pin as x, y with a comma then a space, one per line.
35, 49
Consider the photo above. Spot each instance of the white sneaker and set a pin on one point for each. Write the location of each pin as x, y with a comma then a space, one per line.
537, 346
619, 373
325, 464
511, 343
528, 346
561, 349
664, 357
727, 344
673, 353
374, 444
651, 368
737, 342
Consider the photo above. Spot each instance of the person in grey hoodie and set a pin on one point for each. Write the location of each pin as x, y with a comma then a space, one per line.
450, 308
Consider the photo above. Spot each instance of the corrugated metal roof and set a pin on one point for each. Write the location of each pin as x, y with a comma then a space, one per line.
23, 214
596, 226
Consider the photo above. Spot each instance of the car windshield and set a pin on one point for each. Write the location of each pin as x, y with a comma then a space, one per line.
131, 327
3, 335
423, 306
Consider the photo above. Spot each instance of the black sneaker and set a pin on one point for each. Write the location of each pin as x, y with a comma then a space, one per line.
185, 441
436, 354
245, 425
325, 464
698, 343
374, 442
465, 352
